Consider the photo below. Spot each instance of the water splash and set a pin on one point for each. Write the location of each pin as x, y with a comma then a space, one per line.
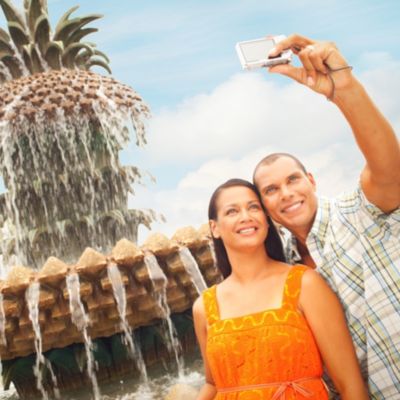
159, 281
192, 268
119, 292
81, 321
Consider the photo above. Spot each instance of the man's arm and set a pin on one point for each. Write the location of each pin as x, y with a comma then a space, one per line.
380, 179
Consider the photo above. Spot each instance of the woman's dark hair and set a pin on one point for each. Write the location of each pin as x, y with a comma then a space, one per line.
273, 242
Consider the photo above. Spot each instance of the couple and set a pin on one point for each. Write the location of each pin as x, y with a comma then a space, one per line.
267, 330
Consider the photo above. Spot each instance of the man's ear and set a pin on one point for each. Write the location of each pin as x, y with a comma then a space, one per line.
312, 180
214, 229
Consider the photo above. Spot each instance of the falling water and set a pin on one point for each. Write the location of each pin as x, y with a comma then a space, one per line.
3, 339
115, 278
158, 278
81, 321
193, 269
69, 154
32, 300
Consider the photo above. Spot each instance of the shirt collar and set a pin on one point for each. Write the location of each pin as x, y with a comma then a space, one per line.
321, 221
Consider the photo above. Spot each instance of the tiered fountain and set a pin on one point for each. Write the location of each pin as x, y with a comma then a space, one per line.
92, 306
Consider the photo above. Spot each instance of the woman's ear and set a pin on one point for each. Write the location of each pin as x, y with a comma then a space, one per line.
214, 229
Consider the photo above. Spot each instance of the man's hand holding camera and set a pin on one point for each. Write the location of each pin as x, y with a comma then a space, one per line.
323, 68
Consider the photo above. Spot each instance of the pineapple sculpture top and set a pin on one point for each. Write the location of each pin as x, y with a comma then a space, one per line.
30, 43
61, 127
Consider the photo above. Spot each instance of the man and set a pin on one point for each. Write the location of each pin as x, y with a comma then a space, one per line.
352, 240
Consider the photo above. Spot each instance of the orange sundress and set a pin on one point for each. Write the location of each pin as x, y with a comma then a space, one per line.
266, 355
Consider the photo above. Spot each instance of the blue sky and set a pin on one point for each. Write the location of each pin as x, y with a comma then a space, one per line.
212, 121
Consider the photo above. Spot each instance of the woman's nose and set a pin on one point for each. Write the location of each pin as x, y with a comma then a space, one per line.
244, 214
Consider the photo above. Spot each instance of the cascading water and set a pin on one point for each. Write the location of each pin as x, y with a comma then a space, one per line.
66, 189
32, 301
193, 269
81, 321
115, 278
3, 339
159, 281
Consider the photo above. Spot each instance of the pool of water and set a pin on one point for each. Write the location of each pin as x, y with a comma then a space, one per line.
160, 382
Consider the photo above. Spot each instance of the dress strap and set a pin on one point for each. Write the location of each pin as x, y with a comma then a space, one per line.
291, 292
210, 304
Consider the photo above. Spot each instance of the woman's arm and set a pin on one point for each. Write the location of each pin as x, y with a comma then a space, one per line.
326, 319
208, 390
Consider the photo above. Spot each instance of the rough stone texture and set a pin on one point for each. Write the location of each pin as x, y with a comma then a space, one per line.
96, 291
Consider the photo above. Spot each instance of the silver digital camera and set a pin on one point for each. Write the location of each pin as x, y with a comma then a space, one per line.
254, 53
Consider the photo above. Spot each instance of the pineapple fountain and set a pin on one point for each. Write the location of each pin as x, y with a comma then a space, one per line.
61, 129
93, 306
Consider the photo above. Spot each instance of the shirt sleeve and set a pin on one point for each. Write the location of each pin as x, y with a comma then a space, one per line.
366, 217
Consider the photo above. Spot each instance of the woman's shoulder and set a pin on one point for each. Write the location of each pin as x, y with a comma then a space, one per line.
199, 306
313, 286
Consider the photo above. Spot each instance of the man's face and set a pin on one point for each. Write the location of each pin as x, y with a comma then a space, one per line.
288, 194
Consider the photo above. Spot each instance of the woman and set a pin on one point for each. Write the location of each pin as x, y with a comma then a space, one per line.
264, 329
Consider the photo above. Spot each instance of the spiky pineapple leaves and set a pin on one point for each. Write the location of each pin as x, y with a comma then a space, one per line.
32, 40
33, 12
5, 47
70, 26
53, 54
41, 31
11, 14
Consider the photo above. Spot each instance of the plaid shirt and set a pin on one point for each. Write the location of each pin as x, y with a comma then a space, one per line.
356, 248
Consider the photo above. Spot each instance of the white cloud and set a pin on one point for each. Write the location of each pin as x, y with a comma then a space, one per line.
248, 110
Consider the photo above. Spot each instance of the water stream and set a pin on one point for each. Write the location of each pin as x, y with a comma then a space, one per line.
193, 269
81, 321
158, 278
3, 339
32, 300
120, 297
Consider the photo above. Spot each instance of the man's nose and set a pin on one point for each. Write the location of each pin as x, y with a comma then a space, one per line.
286, 192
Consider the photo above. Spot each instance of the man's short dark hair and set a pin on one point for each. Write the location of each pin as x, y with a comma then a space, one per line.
271, 158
